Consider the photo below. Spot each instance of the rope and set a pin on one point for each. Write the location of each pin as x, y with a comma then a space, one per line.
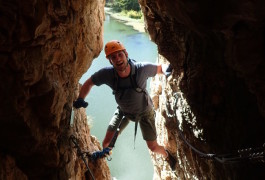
106, 152
250, 154
81, 154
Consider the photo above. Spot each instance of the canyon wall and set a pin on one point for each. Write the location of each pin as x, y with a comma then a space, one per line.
45, 48
215, 97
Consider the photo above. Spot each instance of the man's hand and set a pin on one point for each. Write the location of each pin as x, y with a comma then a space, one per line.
80, 103
167, 69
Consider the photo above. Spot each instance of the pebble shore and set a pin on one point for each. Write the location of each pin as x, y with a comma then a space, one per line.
137, 24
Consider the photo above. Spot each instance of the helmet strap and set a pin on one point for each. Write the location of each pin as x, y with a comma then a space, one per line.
110, 62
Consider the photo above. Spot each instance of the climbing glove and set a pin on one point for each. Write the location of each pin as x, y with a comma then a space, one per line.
101, 154
167, 69
80, 103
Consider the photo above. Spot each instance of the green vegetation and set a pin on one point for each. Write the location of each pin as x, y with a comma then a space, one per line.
132, 14
130, 8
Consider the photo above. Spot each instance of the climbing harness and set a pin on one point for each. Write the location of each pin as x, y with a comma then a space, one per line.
134, 85
135, 131
241, 155
115, 136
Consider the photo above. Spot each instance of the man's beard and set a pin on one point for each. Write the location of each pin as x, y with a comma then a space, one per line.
124, 69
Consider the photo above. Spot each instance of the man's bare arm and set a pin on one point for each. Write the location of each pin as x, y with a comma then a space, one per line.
85, 89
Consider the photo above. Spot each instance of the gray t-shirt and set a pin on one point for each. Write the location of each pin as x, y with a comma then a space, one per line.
129, 100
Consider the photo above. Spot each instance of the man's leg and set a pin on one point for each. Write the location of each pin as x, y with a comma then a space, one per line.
108, 137
147, 125
156, 148
113, 125
148, 128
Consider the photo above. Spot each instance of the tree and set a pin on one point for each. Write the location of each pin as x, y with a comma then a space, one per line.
119, 5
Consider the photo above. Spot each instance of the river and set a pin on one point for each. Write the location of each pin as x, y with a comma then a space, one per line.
127, 163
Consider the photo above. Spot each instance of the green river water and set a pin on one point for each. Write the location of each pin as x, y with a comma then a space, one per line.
127, 163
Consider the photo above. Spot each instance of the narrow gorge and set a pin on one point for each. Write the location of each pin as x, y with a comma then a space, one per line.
213, 103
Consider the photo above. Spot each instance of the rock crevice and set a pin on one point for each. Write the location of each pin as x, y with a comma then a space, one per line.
216, 50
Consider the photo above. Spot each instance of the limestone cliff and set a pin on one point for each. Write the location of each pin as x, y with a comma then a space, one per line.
217, 49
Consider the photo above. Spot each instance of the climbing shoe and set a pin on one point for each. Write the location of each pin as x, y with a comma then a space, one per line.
171, 161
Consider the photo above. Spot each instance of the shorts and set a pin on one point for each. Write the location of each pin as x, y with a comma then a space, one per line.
145, 119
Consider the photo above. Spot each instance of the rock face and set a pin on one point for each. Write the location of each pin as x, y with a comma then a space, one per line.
74, 166
217, 50
45, 48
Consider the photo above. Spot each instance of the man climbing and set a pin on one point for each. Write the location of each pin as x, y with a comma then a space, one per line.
128, 81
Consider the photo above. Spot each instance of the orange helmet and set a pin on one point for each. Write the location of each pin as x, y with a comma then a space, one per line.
113, 46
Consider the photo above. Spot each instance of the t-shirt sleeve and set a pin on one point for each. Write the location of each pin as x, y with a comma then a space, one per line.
103, 76
148, 69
